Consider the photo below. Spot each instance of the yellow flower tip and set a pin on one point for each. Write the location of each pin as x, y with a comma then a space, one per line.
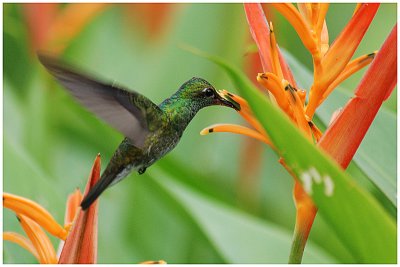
154, 262
324, 48
373, 54
286, 84
302, 95
271, 28
68, 226
206, 131
261, 76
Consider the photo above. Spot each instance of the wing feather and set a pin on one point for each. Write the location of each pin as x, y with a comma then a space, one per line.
126, 111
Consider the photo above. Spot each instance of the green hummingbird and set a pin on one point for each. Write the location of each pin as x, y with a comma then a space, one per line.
150, 130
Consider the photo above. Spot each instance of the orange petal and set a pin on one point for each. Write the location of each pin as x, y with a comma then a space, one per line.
354, 66
346, 132
315, 131
73, 202
342, 49
276, 66
273, 84
305, 11
237, 129
38, 18
22, 241
340, 53
245, 111
323, 9
253, 122
34, 211
314, 13
298, 109
152, 16
299, 24
39, 239
324, 39
81, 244
71, 22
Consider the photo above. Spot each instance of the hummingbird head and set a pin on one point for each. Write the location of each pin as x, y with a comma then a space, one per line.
203, 94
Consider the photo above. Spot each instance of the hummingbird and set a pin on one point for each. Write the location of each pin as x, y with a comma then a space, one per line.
150, 130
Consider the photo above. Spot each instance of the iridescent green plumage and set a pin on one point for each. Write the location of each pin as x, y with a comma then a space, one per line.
151, 131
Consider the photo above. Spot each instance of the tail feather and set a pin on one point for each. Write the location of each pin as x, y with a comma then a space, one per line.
96, 191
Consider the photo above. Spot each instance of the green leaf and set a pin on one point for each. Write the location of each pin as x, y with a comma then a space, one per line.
358, 219
239, 238
376, 155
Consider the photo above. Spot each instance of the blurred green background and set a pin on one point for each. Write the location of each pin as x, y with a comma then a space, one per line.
220, 198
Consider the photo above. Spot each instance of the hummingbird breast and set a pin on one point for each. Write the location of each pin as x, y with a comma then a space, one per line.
129, 157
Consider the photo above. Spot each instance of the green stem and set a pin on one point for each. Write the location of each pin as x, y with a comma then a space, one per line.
300, 238
298, 245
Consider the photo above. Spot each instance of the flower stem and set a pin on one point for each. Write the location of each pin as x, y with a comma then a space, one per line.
305, 214
297, 249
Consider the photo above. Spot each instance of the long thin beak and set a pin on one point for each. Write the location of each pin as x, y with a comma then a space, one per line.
226, 99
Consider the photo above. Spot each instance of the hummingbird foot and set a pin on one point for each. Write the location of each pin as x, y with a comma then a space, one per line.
142, 170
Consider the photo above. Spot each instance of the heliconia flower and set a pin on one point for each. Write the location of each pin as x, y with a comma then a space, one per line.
34, 211
277, 79
52, 28
151, 16
334, 62
44, 249
22, 241
261, 35
80, 242
347, 130
332, 65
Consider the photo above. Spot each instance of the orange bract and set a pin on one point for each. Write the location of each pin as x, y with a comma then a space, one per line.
81, 243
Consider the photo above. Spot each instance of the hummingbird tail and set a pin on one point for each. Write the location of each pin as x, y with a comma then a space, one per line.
96, 191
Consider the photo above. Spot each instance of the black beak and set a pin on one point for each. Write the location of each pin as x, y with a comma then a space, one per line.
224, 99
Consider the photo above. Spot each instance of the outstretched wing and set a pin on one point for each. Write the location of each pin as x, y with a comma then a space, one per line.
129, 112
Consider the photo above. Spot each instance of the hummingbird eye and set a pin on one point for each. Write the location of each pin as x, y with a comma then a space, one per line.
208, 92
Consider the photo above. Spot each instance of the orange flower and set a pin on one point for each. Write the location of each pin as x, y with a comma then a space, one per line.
332, 65
80, 243
79, 231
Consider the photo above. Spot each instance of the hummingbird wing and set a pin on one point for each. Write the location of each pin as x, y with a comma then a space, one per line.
129, 112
